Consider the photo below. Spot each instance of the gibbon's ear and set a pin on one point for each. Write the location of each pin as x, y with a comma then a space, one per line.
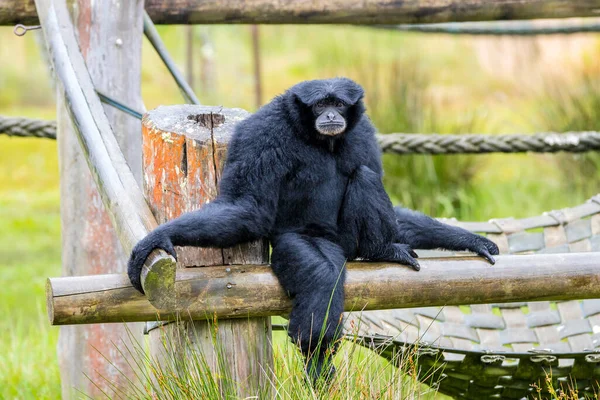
308, 92
347, 90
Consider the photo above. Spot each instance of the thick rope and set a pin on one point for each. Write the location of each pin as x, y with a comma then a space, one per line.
400, 143
26, 127
573, 142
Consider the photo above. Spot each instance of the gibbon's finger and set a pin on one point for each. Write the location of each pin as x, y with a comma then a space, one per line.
168, 247
408, 260
492, 248
414, 264
486, 254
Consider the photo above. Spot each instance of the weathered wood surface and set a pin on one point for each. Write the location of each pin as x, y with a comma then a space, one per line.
242, 291
118, 189
184, 151
334, 12
89, 356
18, 12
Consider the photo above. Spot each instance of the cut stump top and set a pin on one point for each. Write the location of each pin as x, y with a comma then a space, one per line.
195, 121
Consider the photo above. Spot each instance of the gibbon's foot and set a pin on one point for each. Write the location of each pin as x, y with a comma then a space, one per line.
320, 370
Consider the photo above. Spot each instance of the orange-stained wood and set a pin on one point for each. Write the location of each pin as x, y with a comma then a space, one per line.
184, 151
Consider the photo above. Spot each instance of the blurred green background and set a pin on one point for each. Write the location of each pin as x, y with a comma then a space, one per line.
414, 83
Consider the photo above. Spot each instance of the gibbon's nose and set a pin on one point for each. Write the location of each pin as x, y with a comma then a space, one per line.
331, 116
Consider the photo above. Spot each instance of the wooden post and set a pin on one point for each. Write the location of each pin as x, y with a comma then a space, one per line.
257, 65
110, 38
189, 54
207, 62
184, 150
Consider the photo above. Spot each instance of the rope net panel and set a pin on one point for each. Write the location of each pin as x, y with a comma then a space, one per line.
500, 350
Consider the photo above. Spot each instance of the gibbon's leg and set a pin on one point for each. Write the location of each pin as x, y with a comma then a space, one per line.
367, 222
422, 232
312, 271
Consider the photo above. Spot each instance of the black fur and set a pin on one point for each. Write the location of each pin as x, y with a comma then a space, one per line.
319, 200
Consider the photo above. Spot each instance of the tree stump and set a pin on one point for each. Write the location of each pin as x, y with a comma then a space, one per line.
184, 151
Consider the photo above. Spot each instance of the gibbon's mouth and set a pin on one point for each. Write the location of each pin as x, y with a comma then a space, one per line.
331, 128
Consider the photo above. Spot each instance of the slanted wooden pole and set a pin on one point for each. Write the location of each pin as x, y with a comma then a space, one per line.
184, 150
110, 38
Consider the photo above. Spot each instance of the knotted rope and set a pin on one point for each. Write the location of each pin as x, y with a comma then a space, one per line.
26, 127
573, 142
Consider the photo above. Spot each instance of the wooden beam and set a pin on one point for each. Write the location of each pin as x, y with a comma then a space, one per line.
334, 12
252, 290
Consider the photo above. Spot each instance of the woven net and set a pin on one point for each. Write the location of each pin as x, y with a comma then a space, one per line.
499, 350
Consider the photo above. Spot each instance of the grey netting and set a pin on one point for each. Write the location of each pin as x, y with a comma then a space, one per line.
499, 350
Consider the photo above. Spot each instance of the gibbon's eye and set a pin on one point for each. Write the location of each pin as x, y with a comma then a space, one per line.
339, 104
321, 104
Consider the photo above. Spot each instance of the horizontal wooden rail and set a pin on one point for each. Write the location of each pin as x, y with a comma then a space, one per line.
334, 12
121, 195
239, 291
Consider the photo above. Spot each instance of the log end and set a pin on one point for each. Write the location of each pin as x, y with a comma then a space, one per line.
158, 280
50, 301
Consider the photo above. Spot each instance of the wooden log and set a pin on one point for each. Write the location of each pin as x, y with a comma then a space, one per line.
334, 12
184, 150
89, 356
248, 291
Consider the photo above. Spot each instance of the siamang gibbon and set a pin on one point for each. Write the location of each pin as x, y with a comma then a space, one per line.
305, 172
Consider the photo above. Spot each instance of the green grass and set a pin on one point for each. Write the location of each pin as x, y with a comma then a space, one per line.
29, 253
361, 374
443, 89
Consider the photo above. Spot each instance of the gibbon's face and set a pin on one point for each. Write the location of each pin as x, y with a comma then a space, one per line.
330, 116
